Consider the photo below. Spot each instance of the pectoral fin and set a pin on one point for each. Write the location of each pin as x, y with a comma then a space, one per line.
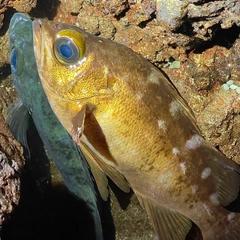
103, 164
168, 224
78, 124
99, 176
93, 143
18, 121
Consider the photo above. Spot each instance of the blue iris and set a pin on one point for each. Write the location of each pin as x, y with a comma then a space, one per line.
14, 60
65, 51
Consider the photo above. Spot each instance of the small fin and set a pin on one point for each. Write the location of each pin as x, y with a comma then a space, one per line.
94, 146
226, 175
78, 124
99, 176
226, 228
18, 120
110, 171
168, 225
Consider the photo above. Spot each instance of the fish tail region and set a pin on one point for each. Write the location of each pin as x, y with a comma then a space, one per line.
227, 229
225, 175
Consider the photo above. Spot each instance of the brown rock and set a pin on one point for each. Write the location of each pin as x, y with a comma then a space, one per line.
24, 6
11, 164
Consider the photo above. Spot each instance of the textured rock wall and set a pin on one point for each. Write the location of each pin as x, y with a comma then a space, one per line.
11, 164
24, 6
195, 42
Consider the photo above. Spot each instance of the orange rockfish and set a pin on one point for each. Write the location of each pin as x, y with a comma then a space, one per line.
132, 124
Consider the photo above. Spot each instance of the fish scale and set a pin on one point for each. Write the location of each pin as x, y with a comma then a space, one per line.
140, 133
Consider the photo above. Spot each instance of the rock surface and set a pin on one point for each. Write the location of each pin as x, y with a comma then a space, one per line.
11, 165
24, 6
11, 153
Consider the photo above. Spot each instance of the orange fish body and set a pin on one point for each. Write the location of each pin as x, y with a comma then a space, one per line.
132, 124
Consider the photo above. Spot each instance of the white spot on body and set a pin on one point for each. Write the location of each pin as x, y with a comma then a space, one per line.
154, 78
139, 96
207, 209
107, 114
194, 142
183, 167
214, 199
84, 91
60, 81
194, 189
174, 108
162, 125
231, 216
115, 87
206, 173
175, 151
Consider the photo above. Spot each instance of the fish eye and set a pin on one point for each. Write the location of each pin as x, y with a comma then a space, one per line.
15, 61
66, 50
69, 47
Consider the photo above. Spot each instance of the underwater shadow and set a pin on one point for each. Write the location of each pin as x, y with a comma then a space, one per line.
45, 9
6, 21
224, 38
5, 71
221, 37
49, 211
53, 215
123, 198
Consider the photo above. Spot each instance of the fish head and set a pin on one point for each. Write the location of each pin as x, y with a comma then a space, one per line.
22, 60
72, 56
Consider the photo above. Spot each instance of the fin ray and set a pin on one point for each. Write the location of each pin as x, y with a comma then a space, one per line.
89, 136
18, 122
226, 175
168, 224
109, 170
99, 176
